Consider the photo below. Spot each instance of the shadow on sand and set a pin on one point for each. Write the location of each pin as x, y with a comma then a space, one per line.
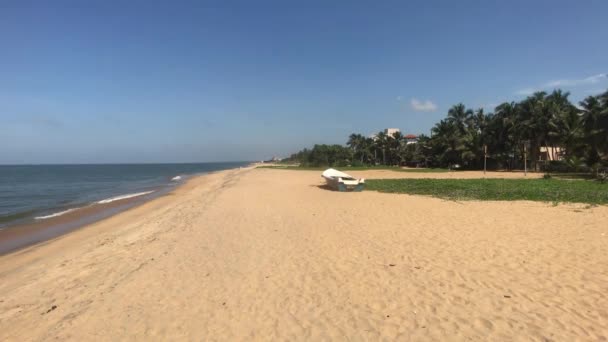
323, 187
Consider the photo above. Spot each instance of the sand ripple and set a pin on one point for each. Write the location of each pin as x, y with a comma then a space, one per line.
268, 255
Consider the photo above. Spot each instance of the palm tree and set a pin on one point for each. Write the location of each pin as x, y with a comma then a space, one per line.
593, 116
503, 139
448, 142
475, 138
356, 143
565, 128
460, 116
396, 144
539, 120
533, 124
381, 143
366, 150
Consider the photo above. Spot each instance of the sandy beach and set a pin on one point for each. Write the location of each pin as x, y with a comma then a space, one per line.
263, 254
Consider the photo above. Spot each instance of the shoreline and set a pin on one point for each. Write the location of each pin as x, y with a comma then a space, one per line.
115, 224
14, 238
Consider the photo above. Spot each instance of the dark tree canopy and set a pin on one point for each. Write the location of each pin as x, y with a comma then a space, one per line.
541, 123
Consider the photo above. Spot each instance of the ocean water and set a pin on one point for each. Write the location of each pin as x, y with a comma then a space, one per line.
31, 193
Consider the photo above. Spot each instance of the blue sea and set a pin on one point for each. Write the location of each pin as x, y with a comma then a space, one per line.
31, 193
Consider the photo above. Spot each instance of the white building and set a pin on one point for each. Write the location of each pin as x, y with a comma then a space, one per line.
388, 131
391, 131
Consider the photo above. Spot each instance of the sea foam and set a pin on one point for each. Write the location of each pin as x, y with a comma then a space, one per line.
55, 214
176, 178
118, 198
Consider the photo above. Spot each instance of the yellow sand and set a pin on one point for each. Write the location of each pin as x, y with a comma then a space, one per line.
260, 254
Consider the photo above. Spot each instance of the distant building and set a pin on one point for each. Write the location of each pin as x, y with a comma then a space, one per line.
274, 159
388, 131
551, 153
411, 139
391, 131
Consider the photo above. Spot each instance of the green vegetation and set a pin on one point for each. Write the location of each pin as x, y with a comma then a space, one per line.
542, 127
350, 168
546, 190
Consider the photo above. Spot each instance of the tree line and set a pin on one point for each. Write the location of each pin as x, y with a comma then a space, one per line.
576, 135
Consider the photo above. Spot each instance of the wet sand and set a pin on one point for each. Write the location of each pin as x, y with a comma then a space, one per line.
39, 231
268, 254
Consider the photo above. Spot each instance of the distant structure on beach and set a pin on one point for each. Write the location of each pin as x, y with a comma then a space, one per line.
274, 159
391, 131
388, 131
411, 139
551, 153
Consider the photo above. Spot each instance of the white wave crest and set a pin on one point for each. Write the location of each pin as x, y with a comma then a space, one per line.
55, 214
118, 198
176, 178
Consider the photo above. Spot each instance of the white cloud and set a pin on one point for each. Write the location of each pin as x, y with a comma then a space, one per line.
423, 106
565, 83
399, 98
572, 83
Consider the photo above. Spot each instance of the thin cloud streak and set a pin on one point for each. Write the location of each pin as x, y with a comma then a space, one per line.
423, 106
572, 83
565, 83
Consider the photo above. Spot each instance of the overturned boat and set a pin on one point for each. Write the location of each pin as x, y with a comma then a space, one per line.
341, 181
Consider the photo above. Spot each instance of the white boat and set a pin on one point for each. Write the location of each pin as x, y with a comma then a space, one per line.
341, 181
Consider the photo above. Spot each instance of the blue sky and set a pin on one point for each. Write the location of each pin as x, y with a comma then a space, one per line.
146, 81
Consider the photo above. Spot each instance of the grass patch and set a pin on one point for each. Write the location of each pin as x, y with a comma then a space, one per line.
572, 175
349, 168
545, 190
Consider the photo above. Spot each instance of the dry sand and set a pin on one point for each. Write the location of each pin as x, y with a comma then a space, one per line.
268, 255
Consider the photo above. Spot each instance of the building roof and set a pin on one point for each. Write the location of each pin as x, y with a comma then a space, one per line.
411, 136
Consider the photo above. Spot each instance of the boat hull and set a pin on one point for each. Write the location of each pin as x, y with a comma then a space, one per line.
341, 181
355, 188
343, 187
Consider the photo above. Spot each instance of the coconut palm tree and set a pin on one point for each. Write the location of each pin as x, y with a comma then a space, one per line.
460, 116
501, 135
565, 126
357, 143
539, 120
594, 115
448, 142
475, 137
396, 144
533, 124
381, 143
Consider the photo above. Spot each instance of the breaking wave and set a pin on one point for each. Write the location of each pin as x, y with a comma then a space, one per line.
121, 197
55, 214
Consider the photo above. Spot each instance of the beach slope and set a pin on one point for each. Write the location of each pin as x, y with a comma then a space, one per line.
262, 254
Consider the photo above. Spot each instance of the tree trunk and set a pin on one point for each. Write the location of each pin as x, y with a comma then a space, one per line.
534, 153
